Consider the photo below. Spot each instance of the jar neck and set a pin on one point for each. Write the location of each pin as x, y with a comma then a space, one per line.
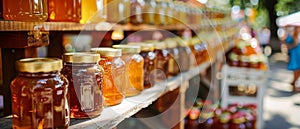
40, 74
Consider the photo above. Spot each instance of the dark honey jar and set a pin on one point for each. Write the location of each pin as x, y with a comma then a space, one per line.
85, 77
39, 95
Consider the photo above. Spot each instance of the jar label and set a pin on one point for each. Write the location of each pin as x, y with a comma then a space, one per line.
87, 93
42, 104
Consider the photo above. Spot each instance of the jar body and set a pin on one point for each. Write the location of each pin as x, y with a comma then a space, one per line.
149, 66
136, 12
184, 58
122, 7
149, 12
161, 65
134, 71
160, 15
93, 11
85, 80
113, 80
25, 10
173, 62
40, 100
64, 11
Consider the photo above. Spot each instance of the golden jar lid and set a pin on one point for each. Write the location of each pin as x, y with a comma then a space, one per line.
80, 57
171, 43
107, 51
126, 49
160, 45
36, 65
195, 40
144, 46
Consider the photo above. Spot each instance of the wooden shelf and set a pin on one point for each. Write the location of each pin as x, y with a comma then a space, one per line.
112, 116
103, 26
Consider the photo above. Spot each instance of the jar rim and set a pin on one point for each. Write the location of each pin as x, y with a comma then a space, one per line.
81, 57
107, 51
126, 49
36, 65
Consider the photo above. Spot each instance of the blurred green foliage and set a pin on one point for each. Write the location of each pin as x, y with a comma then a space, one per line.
285, 7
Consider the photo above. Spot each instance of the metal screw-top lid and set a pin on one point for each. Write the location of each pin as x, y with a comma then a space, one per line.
126, 49
80, 57
36, 65
107, 51
144, 46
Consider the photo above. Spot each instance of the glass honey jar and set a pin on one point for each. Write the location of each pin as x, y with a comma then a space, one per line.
39, 95
134, 69
85, 78
114, 75
160, 13
149, 62
185, 55
162, 61
25, 10
93, 11
64, 10
149, 12
173, 62
136, 10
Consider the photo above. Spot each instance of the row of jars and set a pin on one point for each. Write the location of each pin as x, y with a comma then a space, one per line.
158, 12
235, 116
48, 91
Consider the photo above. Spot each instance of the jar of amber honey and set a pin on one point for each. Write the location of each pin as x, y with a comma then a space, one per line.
162, 61
64, 10
134, 69
173, 67
185, 55
114, 75
85, 78
39, 95
25, 10
149, 62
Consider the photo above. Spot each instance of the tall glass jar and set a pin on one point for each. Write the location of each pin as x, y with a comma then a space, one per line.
134, 71
173, 68
25, 10
136, 10
118, 11
149, 12
185, 55
64, 10
93, 11
170, 12
149, 62
114, 75
162, 61
160, 14
85, 78
39, 95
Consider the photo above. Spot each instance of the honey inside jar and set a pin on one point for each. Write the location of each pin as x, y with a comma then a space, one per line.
114, 75
85, 78
39, 95
149, 62
134, 69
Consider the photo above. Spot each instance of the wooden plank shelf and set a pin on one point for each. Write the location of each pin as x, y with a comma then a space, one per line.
104, 26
